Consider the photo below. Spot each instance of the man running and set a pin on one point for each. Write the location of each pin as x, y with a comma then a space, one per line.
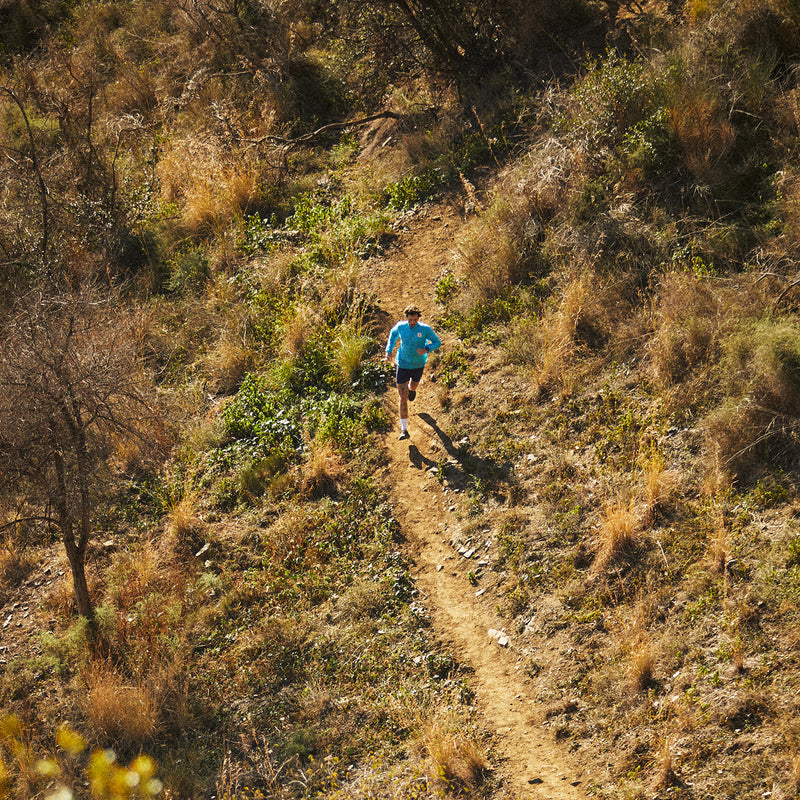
416, 340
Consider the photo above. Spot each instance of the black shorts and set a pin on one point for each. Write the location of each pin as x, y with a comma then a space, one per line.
405, 375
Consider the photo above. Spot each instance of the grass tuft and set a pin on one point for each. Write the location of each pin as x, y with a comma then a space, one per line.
455, 762
122, 713
617, 533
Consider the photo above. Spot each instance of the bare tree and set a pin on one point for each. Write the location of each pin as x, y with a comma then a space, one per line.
72, 396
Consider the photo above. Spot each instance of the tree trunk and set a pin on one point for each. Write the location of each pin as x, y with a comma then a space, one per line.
77, 559
74, 546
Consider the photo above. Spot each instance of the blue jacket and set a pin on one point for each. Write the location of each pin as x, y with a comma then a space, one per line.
421, 335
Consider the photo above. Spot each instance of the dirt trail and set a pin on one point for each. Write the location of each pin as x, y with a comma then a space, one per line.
533, 764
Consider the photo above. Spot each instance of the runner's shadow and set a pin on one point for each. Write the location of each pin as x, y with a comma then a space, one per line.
417, 459
451, 449
469, 464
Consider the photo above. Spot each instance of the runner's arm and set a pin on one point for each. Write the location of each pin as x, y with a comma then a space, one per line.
434, 342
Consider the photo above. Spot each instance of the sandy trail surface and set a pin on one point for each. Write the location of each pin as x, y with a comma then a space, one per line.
462, 609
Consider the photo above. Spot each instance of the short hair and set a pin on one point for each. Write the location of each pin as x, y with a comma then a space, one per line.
412, 310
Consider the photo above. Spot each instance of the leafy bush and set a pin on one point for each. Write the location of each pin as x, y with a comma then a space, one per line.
616, 95
271, 420
337, 231
335, 418
413, 189
187, 271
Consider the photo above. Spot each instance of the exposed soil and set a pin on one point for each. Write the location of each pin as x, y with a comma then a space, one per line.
458, 590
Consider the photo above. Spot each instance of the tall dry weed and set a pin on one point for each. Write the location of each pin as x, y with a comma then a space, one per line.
500, 250
16, 562
210, 181
122, 713
660, 486
558, 344
617, 532
227, 362
454, 761
686, 321
298, 329
349, 348
700, 120
322, 471
639, 652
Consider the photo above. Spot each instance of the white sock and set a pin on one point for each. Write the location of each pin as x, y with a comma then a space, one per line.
403, 424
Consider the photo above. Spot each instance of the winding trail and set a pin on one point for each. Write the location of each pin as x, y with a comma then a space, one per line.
533, 765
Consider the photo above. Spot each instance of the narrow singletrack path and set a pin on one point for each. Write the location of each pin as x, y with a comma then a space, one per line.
533, 765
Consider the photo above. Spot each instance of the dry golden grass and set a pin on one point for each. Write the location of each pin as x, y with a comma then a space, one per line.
16, 563
718, 553
365, 599
226, 363
641, 664
454, 762
120, 712
491, 257
520, 345
555, 352
349, 348
209, 180
298, 329
758, 421
664, 774
617, 533
290, 536
661, 487
685, 324
60, 599
182, 521
700, 121
132, 575
639, 653
323, 471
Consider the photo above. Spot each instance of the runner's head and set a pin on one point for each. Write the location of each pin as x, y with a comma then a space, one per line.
412, 314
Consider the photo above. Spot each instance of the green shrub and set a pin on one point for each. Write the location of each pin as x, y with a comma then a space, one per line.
616, 95
266, 418
413, 189
336, 230
336, 418
188, 271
